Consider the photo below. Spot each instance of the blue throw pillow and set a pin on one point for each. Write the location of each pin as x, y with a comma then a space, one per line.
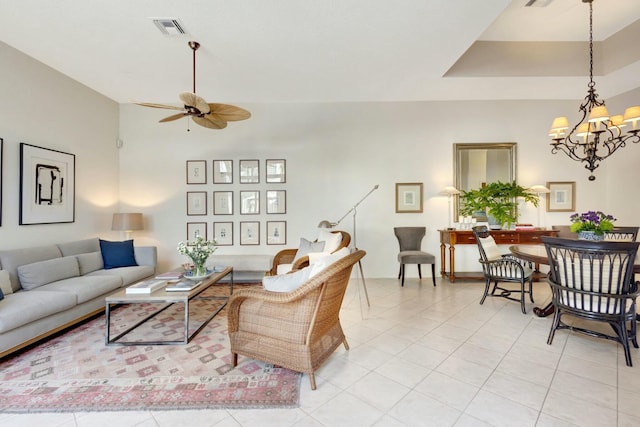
117, 254
1, 295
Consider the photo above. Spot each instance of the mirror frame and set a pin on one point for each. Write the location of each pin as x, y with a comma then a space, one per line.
459, 148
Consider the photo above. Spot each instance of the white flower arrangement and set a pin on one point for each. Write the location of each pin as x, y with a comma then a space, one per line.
198, 250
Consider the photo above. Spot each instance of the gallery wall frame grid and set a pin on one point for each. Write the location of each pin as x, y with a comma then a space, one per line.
276, 201
276, 232
196, 203
47, 185
275, 171
561, 196
196, 171
195, 229
249, 233
249, 202
249, 171
223, 202
223, 233
223, 171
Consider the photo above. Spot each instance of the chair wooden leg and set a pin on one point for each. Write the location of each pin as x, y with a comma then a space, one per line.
419, 271
312, 380
345, 343
402, 271
433, 273
234, 359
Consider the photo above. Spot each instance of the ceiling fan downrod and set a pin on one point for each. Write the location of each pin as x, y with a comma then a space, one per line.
194, 46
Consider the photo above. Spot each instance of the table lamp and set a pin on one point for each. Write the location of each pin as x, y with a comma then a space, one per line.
127, 222
450, 191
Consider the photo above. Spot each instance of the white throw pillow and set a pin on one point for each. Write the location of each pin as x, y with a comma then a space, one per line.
5, 282
326, 261
286, 282
307, 247
332, 240
490, 248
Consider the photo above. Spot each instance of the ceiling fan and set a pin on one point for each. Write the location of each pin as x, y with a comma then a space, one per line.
212, 116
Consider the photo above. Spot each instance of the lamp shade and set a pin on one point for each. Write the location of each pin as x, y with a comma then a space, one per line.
326, 224
539, 189
450, 190
127, 221
598, 114
559, 124
632, 114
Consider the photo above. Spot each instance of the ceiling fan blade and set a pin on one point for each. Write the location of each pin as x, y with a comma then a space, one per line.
168, 107
210, 122
229, 113
174, 117
192, 100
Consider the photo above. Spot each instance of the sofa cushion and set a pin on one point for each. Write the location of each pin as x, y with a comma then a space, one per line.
22, 308
85, 288
5, 282
79, 246
286, 282
89, 262
307, 247
13, 258
40, 273
117, 254
128, 275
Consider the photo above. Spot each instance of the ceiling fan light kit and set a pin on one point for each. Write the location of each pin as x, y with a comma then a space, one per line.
212, 116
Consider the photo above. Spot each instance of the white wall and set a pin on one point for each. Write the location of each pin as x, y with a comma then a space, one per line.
336, 153
42, 107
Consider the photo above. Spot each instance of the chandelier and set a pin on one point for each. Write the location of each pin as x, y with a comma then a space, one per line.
598, 135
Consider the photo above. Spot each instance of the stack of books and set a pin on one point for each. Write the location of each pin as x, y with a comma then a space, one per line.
170, 275
183, 286
525, 227
146, 286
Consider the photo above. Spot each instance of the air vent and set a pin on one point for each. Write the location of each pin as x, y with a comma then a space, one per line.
169, 26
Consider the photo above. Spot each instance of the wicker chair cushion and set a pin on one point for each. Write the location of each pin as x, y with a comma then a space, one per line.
326, 261
490, 248
306, 247
331, 240
286, 282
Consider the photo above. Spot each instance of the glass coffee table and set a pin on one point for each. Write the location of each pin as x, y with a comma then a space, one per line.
169, 298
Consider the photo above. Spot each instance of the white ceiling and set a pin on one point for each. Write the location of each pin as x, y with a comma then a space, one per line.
328, 50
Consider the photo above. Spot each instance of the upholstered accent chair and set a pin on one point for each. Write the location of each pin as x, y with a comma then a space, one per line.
288, 256
498, 268
297, 330
410, 241
594, 281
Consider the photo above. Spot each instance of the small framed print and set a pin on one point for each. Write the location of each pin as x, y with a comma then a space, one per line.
249, 171
196, 202
223, 233
195, 229
561, 196
249, 202
223, 202
409, 197
249, 233
223, 171
276, 170
196, 171
276, 232
276, 201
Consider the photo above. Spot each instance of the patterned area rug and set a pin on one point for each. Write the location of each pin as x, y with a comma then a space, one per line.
76, 372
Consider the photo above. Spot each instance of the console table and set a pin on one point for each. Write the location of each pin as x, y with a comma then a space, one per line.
466, 237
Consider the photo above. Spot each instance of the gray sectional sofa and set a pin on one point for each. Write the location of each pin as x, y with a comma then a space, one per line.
55, 286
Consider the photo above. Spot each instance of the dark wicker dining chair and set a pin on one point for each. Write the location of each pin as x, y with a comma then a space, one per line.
622, 234
502, 268
594, 281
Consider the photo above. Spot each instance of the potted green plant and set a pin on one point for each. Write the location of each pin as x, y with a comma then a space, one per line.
497, 200
591, 225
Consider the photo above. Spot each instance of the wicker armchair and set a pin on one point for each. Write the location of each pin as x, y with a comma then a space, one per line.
297, 330
593, 281
286, 256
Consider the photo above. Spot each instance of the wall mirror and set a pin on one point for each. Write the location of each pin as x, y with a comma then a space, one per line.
476, 164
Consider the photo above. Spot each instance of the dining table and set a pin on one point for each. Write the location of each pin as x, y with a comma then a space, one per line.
537, 254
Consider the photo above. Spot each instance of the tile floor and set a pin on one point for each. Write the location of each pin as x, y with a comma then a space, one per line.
425, 356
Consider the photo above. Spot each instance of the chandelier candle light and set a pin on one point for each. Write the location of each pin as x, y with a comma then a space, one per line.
598, 135
198, 251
